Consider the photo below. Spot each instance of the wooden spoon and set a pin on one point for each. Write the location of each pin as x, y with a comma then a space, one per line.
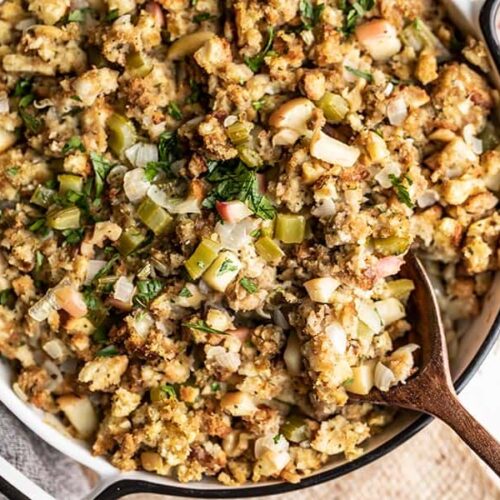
431, 389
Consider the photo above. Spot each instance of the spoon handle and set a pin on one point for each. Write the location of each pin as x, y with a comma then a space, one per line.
448, 408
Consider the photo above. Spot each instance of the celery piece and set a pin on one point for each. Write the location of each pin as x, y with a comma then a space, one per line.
290, 228
154, 216
269, 250
202, 258
122, 133
334, 107
65, 218
129, 241
70, 182
393, 245
42, 196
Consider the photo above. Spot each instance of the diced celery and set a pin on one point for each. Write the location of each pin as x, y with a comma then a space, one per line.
290, 228
121, 133
393, 245
138, 65
267, 228
202, 258
238, 132
42, 196
223, 271
295, 429
154, 216
334, 107
129, 241
269, 250
70, 182
400, 289
66, 218
249, 157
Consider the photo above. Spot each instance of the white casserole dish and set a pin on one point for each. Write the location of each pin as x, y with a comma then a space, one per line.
474, 346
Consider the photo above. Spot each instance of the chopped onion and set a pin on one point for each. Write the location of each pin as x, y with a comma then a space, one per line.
397, 111
55, 375
141, 153
321, 289
292, 355
143, 323
383, 177
388, 89
390, 310
115, 176
123, 290
236, 236
4, 102
427, 199
406, 348
337, 336
230, 120
326, 148
227, 360
55, 348
388, 266
41, 310
135, 184
93, 267
383, 377
174, 205
369, 316
274, 443
324, 208
285, 137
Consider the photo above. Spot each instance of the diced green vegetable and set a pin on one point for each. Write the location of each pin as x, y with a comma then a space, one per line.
202, 258
42, 196
238, 132
295, 429
249, 157
334, 107
129, 241
70, 182
154, 216
393, 245
489, 136
66, 218
290, 228
138, 65
269, 250
267, 228
400, 289
122, 133
162, 392
223, 271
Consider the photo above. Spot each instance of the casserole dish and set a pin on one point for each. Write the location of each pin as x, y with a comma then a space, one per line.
475, 344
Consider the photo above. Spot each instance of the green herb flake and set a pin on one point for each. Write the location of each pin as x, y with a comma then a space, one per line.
39, 258
12, 171
105, 270
112, 15
255, 62
310, 14
353, 12
74, 144
249, 285
401, 190
7, 298
258, 105
37, 225
174, 111
73, 236
203, 327
151, 171
238, 183
203, 16
185, 293
100, 336
277, 438
227, 266
256, 233
169, 390
360, 74
215, 386
78, 15
108, 351
147, 290
101, 169
23, 87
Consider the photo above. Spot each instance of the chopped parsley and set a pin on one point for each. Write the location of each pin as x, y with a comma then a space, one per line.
100, 336
23, 87
256, 233
277, 438
227, 266
203, 16
214, 386
203, 327
7, 298
195, 92
74, 144
73, 236
185, 293
353, 12
112, 15
174, 111
12, 171
101, 169
108, 351
360, 74
310, 14
38, 225
147, 290
104, 271
151, 171
78, 15
249, 285
169, 150
258, 105
401, 190
255, 62
238, 183
169, 390
39, 258
23, 90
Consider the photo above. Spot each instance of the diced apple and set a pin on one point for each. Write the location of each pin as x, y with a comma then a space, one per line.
71, 301
232, 211
293, 114
326, 148
80, 413
379, 38
362, 378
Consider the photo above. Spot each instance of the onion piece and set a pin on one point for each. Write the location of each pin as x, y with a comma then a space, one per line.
390, 310
397, 111
383, 377
292, 355
41, 309
369, 316
236, 236
280, 320
293, 114
384, 176
124, 290
135, 184
388, 266
4, 103
141, 153
285, 137
156, 11
338, 337
93, 267
174, 205
324, 208
143, 323
326, 148
321, 289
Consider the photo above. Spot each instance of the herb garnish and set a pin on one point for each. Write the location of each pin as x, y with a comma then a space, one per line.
108, 351
203, 327
23, 90
78, 15
249, 285
185, 293
214, 386
174, 111
169, 150
74, 144
147, 290
238, 183
106, 268
203, 16
226, 267
169, 390
73, 236
353, 12
277, 438
360, 74
112, 15
401, 190
255, 62
101, 169
7, 298
310, 14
